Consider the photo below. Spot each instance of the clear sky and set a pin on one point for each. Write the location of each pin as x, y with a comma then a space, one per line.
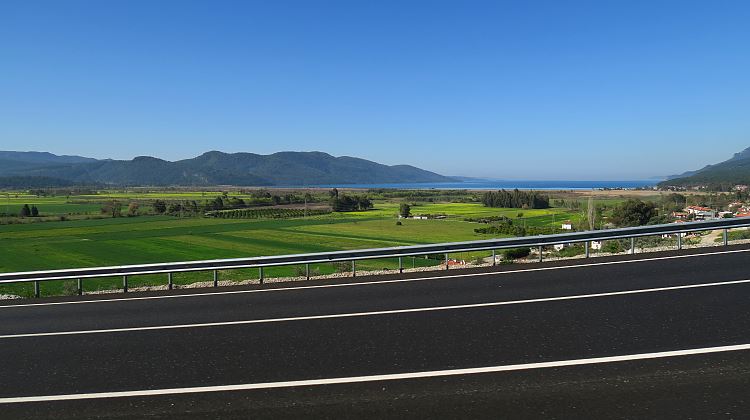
527, 89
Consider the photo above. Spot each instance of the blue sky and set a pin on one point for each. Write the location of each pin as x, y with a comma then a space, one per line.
514, 90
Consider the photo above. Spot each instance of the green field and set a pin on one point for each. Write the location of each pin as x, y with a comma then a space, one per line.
151, 239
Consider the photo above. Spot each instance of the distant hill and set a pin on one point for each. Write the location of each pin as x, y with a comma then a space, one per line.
42, 158
217, 168
722, 175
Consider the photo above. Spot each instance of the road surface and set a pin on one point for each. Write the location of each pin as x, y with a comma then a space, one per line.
644, 336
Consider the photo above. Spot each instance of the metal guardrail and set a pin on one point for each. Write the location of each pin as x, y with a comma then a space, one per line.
364, 254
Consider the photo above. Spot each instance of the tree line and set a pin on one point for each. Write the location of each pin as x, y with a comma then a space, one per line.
343, 202
266, 213
515, 199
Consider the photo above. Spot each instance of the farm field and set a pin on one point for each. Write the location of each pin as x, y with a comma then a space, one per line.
151, 239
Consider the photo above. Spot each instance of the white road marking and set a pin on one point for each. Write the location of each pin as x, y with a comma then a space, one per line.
365, 283
374, 313
376, 378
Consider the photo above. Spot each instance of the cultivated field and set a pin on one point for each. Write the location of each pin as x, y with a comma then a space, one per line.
100, 240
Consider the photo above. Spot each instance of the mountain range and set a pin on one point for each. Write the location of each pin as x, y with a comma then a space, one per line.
733, 171
211, 168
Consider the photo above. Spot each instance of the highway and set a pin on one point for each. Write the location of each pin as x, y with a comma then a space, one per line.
635, 336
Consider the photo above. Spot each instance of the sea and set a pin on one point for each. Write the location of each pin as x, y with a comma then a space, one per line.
502, 184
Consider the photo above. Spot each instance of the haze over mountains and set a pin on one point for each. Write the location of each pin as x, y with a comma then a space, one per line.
211, 168
731, 172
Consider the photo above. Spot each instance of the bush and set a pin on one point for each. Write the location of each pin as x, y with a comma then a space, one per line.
299, 271
513, 253
398, 223
571, 251
343, 266
70, 288
613, 247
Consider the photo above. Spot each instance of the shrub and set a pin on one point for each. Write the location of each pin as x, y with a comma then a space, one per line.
612, 247
513, 253
343, 266
70, 288
571, 251
299, 271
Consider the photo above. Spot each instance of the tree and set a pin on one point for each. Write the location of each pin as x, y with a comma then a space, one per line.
113, 208
404, 210
159, 207
25, 211
364, 203
133, 209
633, 212
591, 214
174, 208
34, 211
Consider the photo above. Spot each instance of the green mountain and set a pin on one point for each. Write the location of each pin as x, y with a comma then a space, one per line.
723, 176
217, 168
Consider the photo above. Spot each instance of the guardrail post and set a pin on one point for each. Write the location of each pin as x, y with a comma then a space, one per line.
307, 271
80, 287
37, 292
494, 258
354, 268
541, 258
446, 261
260, 274
125, 284
586, 246
169, 281
632, 245
216, 278
726, 237
400, 264
679, 240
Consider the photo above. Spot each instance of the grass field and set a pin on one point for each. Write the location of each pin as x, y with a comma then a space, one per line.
151, 239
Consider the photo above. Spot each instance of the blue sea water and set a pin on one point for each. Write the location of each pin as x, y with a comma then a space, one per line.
503, 184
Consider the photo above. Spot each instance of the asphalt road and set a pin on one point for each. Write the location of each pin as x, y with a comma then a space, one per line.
626, 337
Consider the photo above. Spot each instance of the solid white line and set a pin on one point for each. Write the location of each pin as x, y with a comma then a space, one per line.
374, 313
375, 378
365, 283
